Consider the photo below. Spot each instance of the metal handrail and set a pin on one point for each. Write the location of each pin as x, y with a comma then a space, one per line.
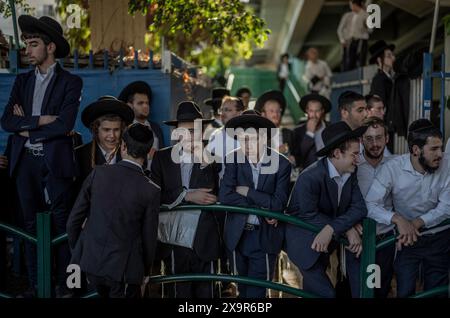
235, 278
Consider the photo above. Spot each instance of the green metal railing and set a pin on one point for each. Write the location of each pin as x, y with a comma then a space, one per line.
370, 247
44, 245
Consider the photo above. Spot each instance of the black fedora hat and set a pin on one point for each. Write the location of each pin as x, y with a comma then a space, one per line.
377, 49
326, 104
271, 95
217, 95
106, 105
336, 134
133, 88
49, 27
187, 112
250, 119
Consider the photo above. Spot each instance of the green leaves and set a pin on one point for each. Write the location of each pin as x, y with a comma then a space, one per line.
5, 8
210, 28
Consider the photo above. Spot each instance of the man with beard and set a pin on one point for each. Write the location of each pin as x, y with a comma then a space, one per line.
371, 160
417, 188
138, 95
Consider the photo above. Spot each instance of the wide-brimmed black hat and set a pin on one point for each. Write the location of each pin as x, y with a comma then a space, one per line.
250, 119
336, 134
49, 27
106, 105
271, 95
133, 88
187, 112
377, 49
326, 104
217, 95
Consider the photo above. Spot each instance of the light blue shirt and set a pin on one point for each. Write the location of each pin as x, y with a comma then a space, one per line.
40, 87
366, 174
340, 180
413, 194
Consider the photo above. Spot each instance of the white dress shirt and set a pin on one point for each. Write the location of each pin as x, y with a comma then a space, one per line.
256, 171
320, 69
340, 180
40, 87
366, 174
358, 29
343, 30
106, 155
413, 194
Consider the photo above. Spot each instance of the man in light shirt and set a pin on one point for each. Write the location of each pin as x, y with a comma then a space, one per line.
419, 185
359, 34
220, 143
317, 74
371, 160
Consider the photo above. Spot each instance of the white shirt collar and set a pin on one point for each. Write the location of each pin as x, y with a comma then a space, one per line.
50, 71
146, 122
133, 162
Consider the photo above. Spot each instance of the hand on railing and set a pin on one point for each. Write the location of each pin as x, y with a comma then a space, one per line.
355, 241
323, 239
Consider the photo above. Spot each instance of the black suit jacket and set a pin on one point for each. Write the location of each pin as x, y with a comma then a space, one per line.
314, 200
118, 240
62, 99
167, 174
304, 147
382, 86
271, 193
158, 132
83, 159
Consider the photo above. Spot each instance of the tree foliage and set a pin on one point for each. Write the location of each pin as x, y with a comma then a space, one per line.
79, 38
202, 30
5, 8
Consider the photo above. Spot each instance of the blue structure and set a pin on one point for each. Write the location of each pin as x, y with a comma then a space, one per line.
98, 82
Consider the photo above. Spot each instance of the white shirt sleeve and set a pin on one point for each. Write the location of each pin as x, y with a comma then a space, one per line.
377, 196
442, 211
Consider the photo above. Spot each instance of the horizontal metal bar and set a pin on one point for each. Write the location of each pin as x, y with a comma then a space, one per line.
59, 239
349, 83
228, 278
440, 75
21, 233
433, 292
2, 295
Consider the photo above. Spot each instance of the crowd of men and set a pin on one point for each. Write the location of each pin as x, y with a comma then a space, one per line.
107, 194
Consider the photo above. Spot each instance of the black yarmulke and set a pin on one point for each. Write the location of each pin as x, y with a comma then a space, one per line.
421, 125
140, 133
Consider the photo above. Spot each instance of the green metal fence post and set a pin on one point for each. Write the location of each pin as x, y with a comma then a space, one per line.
44, 245
368, 256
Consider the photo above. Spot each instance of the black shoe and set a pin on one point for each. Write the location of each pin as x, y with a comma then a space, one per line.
63, 292
31, 292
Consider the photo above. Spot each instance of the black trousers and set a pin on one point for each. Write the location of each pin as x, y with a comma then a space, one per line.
107, 288
385, 259
32, 180
357, 54
187, 261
